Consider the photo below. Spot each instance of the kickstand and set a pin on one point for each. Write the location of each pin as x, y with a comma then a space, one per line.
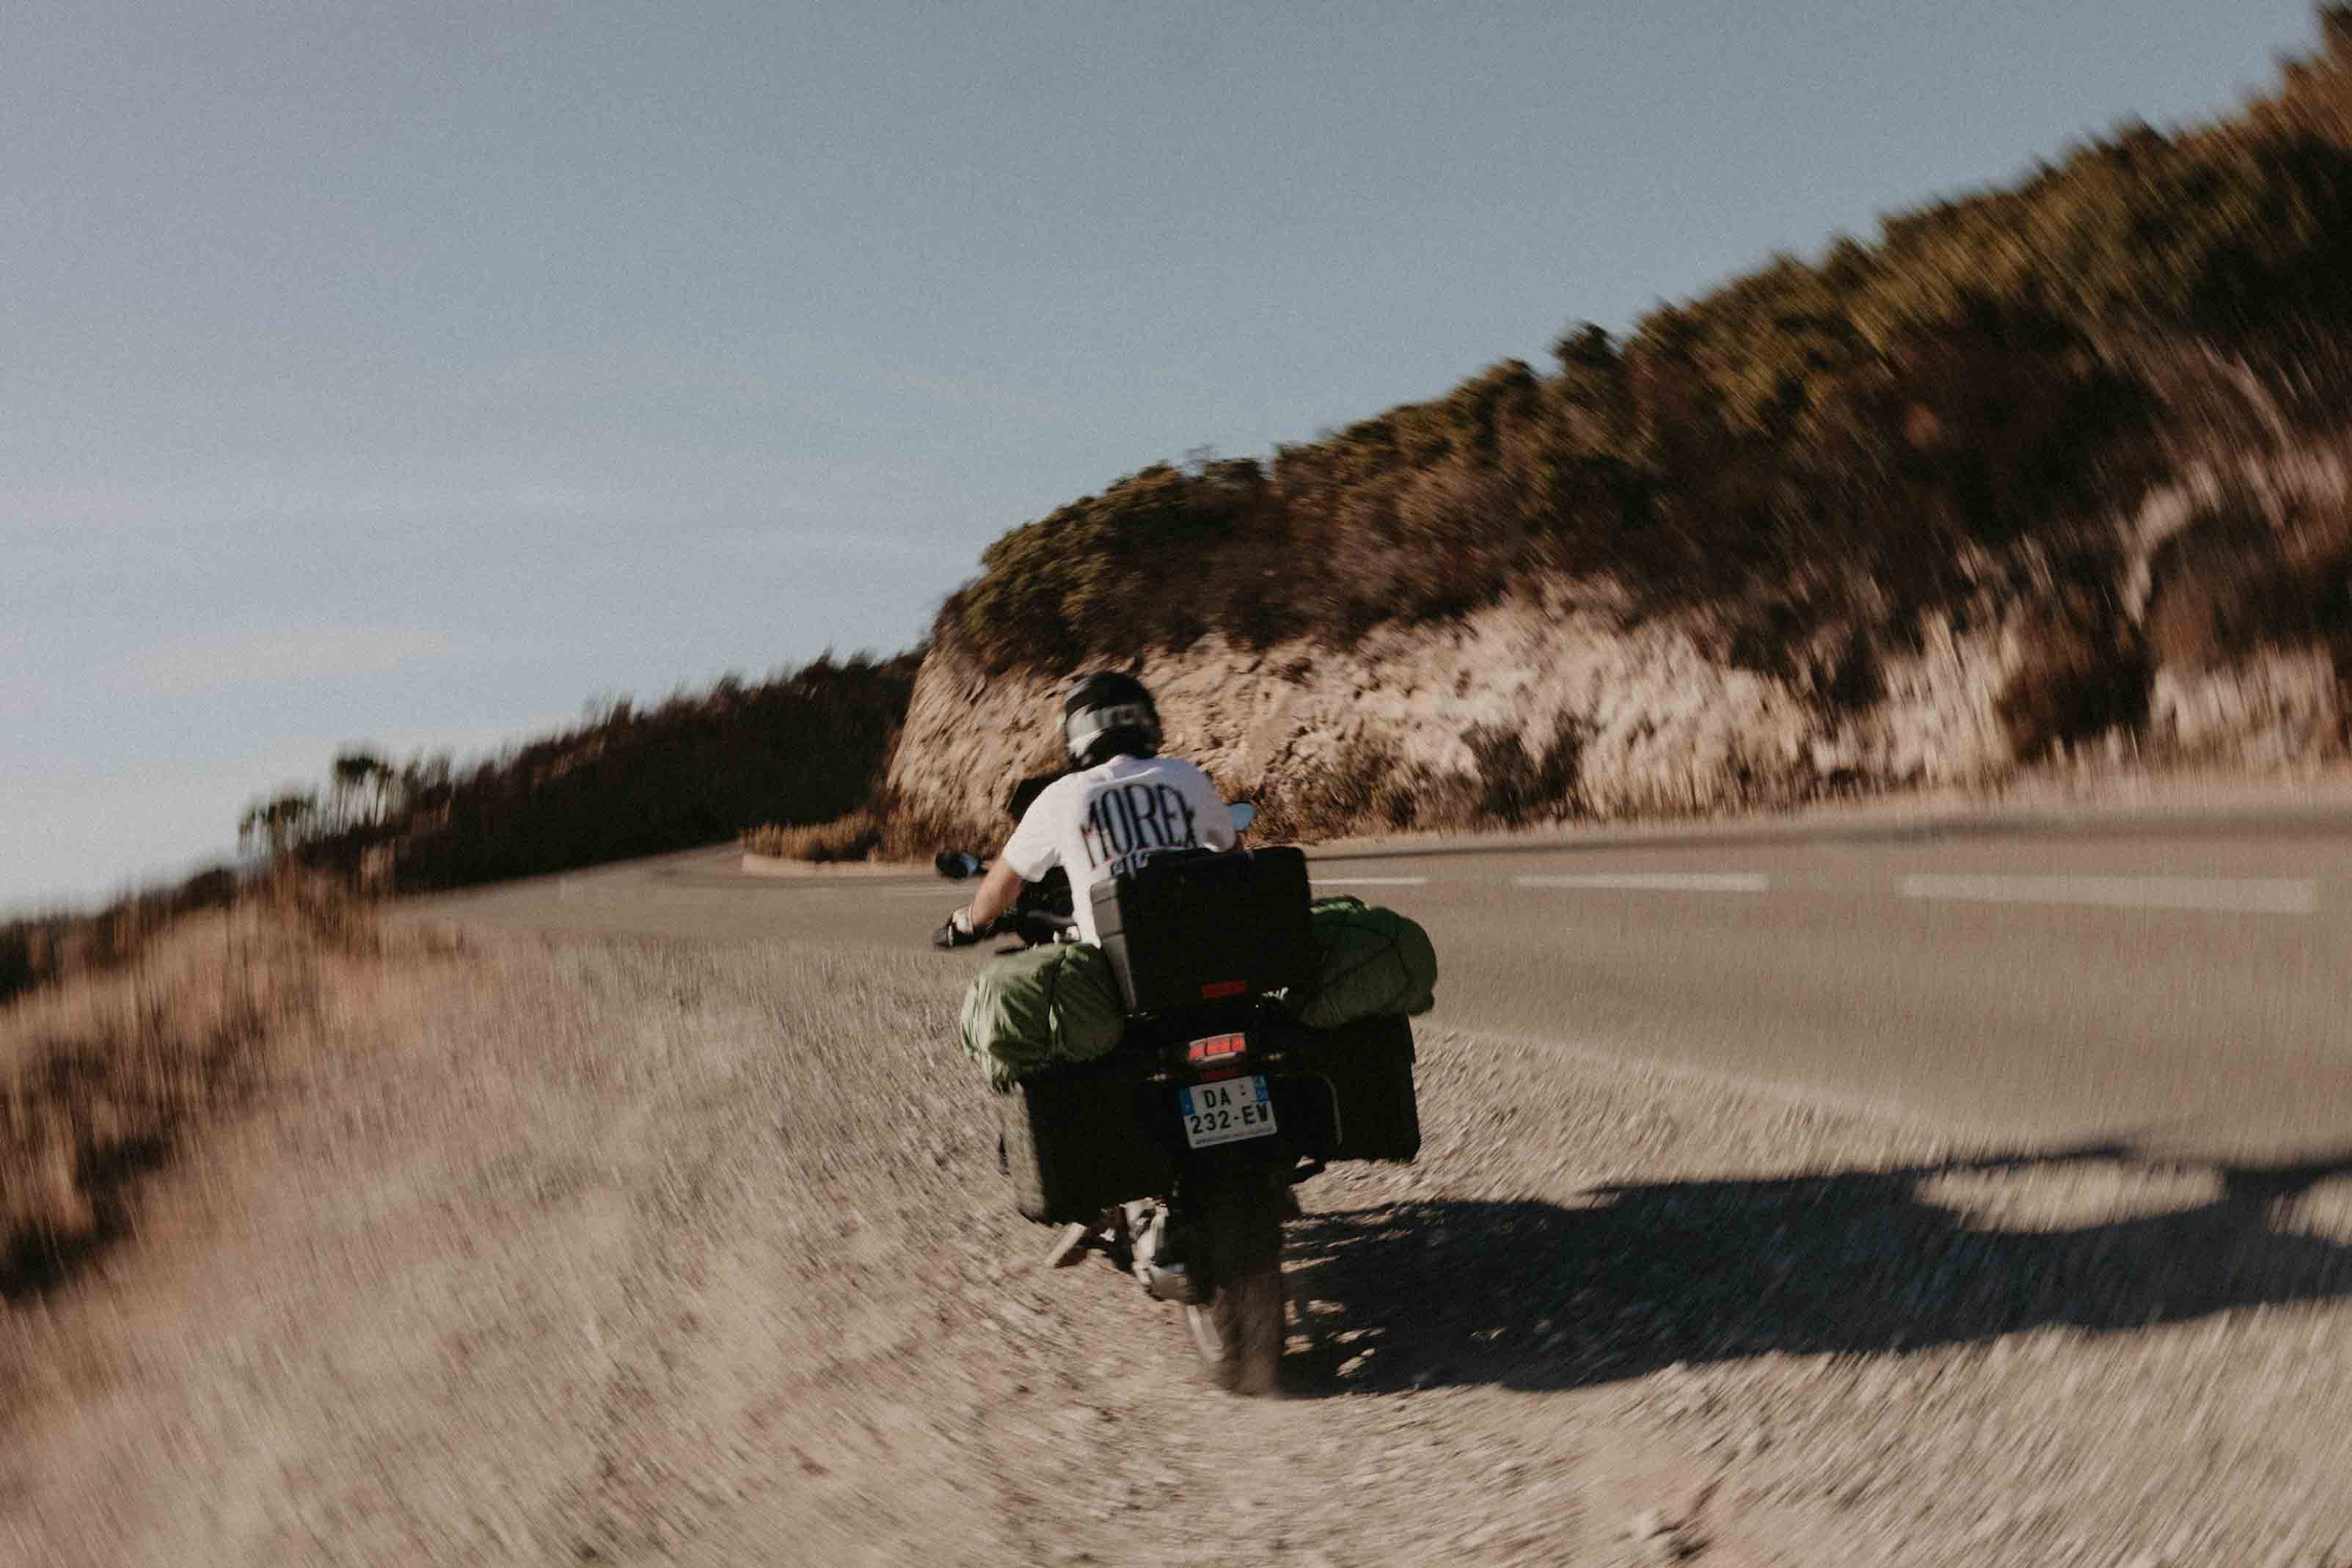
1069, 1247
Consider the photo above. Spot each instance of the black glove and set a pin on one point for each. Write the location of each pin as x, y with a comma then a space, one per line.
957, 932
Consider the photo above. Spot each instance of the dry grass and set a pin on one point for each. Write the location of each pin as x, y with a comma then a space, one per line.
43, 949
109, 1076
852, 838
885, 831
510, 1255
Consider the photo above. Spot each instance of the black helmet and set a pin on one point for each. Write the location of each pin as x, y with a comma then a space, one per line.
1109, 715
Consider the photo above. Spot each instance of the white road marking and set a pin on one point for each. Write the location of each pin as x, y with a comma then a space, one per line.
1654, 881
1371, 881
2243, 896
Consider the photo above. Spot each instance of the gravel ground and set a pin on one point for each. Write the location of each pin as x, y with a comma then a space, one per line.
629, 1252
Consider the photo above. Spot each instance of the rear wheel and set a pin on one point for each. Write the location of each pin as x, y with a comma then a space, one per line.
1238, 1332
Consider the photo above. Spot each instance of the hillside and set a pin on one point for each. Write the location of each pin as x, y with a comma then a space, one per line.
2041, 471
805, 744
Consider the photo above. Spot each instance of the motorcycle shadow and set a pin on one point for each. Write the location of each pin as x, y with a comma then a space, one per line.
1540, 1296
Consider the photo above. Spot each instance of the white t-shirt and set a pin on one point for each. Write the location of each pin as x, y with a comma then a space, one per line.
1112, 818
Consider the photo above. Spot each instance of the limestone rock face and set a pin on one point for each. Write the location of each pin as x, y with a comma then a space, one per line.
1665, 723
1665, 727
2270, 710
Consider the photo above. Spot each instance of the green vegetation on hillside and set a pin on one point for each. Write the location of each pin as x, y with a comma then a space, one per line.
805, 745
1838, 443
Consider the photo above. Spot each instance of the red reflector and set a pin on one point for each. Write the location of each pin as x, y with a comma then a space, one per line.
1216, 1047
1219, 989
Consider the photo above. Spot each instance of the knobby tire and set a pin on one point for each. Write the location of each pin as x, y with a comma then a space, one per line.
1240, 1330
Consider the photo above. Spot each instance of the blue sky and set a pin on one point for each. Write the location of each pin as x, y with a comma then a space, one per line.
413, 373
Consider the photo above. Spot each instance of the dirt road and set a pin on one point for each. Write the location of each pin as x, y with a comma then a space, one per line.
608, 1250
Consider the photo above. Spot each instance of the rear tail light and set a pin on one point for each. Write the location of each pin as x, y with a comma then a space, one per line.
1216, 1048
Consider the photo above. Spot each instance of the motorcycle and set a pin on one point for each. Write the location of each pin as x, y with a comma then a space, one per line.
1228, 1115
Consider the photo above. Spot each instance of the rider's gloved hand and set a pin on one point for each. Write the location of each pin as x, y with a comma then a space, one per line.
958, 931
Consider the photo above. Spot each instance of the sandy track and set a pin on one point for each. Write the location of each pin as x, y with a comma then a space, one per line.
632, 1252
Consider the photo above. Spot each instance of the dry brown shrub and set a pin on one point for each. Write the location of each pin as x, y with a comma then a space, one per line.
890, 831
109, 1076
1518, 785
855, 837
1456, 525
1325, 801
2253, 570
1427, 800
1368, 788
42, 949
2074, 683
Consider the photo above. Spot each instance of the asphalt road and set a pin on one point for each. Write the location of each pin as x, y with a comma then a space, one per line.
2170, 980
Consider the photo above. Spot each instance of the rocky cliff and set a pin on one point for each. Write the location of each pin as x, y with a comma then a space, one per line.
1563, 700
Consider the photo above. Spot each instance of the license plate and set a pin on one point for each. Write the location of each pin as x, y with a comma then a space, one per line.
1226, 1112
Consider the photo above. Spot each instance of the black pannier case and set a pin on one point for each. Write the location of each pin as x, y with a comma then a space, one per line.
1075, 1140
1369, 1065
1187, 929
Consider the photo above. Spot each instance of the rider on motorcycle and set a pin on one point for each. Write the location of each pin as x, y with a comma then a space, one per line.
1119, 804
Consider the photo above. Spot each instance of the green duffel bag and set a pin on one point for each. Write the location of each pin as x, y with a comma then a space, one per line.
1374, 963
1041, 1007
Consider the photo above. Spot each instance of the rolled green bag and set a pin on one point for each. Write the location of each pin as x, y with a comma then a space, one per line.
1375, 962
1041, 1007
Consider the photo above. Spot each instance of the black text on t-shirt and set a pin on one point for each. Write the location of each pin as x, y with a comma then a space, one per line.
1126, 824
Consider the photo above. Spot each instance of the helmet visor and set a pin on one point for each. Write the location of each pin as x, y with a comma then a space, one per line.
1083, 726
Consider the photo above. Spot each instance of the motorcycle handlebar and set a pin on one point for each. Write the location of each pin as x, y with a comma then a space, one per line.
1040, 914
